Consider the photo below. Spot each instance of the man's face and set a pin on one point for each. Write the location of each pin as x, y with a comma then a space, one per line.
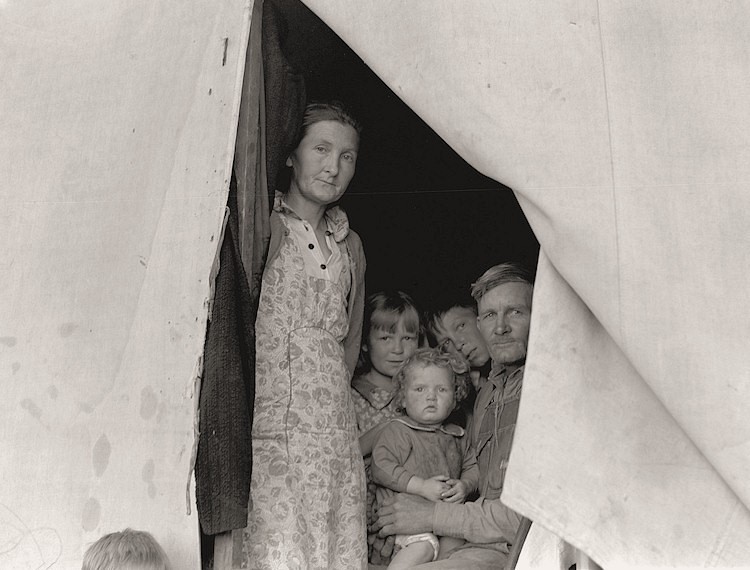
457, 332
504, 315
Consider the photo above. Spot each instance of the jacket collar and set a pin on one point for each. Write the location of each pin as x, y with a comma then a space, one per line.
499, 375
336, 218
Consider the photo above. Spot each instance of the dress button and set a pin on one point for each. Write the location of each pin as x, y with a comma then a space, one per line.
329, 232
311, 246
322, 265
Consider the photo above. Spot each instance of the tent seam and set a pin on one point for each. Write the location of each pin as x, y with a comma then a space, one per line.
612, 173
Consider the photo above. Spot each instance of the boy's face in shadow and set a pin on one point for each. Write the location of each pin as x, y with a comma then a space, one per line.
457, 332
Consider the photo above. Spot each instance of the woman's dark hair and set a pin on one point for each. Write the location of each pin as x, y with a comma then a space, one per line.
324, 111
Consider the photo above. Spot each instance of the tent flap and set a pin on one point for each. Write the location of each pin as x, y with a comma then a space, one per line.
118, 125
623, 130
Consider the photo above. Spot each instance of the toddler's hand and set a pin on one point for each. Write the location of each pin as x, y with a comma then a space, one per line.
456, 492
434, 487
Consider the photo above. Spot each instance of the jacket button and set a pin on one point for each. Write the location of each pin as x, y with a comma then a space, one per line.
311, 246
322, 265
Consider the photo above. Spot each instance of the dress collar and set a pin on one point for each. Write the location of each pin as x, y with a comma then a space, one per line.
450, 429
378, 397
336, 219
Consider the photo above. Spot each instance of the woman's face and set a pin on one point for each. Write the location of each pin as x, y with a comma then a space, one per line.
388, 350
323, 163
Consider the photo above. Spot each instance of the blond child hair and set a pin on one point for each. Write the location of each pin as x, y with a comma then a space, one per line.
128, 549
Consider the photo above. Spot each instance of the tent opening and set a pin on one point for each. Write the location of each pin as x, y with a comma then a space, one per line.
429, 222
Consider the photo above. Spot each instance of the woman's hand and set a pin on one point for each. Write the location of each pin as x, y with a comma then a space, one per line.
456, 492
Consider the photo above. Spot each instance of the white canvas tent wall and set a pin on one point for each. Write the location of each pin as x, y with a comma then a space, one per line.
623, 129
117, 124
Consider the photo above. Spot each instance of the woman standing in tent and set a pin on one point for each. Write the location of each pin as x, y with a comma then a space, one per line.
307, 506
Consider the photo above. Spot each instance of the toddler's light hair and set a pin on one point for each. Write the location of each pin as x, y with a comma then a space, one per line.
131, 549
458, 367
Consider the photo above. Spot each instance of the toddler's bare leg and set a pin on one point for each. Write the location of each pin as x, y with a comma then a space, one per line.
447, 545
408, 556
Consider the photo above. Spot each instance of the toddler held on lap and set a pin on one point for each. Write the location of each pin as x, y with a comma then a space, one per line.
418, 453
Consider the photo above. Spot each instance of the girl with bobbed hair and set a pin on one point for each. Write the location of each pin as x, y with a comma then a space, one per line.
391, 333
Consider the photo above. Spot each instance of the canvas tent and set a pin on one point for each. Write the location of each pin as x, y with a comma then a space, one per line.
118, 127
622, 128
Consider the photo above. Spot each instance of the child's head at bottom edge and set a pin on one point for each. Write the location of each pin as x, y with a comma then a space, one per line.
430, 384
126, 550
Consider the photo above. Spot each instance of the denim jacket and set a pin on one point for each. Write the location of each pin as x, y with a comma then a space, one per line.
493, 425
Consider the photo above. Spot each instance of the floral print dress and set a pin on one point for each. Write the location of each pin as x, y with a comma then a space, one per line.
307, 506
373, 406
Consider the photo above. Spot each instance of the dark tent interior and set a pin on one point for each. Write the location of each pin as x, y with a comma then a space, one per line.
429, 222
